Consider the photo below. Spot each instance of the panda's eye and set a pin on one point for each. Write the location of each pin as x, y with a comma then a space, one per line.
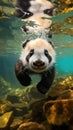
49, 11
31, 52
46, 53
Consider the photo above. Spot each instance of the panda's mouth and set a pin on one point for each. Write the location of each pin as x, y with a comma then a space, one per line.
38, 66
38, 69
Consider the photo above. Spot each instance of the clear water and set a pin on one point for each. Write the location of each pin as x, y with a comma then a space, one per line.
11, 38
64, 46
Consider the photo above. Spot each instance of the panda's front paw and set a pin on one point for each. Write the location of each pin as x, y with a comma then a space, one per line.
25, 80
41, 88
22, 73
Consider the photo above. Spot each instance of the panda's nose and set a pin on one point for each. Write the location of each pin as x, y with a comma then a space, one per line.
38, 63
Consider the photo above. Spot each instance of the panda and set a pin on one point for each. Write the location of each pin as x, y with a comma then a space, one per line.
37, 57
27, 8
41, 23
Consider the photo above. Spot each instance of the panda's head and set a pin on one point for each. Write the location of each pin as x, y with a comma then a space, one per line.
27, 8
38, 55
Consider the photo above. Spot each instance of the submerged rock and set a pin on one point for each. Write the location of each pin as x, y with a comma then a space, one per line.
53, 110
13, 98
62, 88
5, 120
20, 109
59, 112
37, 111
15, 123
31, 126
5, 106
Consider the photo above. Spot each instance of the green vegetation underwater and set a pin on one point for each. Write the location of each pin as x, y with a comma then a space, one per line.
24, 108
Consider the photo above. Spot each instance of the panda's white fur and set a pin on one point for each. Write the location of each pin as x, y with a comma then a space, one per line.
41, 23
40, 6
39, 45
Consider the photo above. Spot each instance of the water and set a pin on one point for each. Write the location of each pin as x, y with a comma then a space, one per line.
11, 38
63, 40
64, 51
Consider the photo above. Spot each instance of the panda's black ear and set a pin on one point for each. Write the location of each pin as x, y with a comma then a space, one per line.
24, 43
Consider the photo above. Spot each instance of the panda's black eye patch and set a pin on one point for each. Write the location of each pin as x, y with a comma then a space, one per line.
46, 52
29, 55
31, 52
47, 55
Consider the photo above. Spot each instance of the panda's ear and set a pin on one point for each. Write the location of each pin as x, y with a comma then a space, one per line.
24, 43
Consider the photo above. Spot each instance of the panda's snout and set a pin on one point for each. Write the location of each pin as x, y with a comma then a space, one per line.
38, 63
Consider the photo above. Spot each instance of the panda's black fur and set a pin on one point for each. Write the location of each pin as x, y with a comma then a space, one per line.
23, 70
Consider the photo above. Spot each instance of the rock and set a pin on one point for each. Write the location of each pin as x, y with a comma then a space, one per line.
31, 126
46, 125
71, 127
62, 127
59, 112
37, 111
5, 120
5, 106
15, 124
13, 98
61, 87
54, 111
67, 94
29, 95
20, 109
35, 94
27, 117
